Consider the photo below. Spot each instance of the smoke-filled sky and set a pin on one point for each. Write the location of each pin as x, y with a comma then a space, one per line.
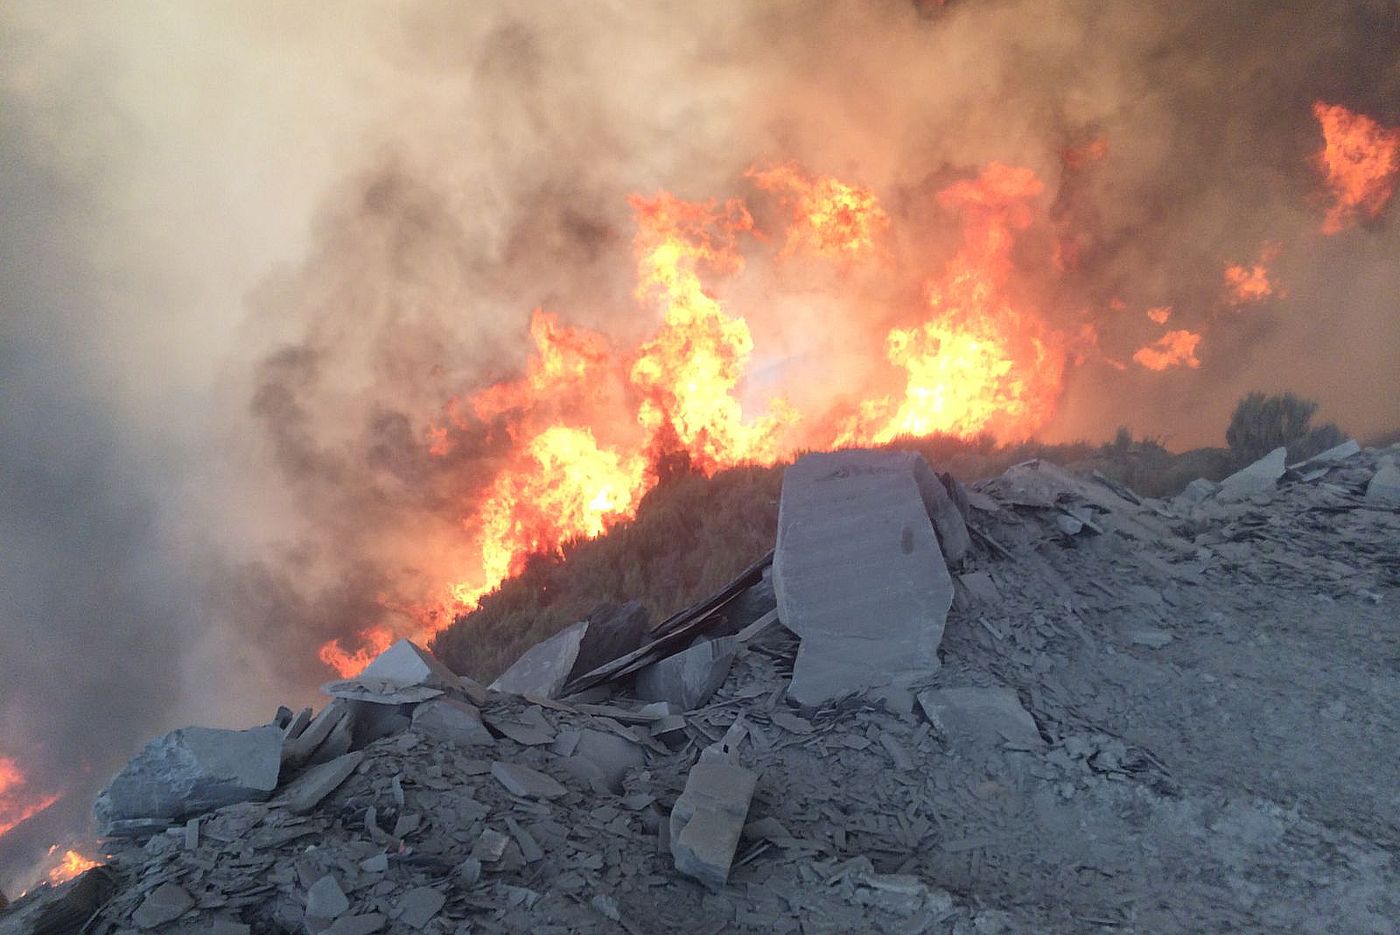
248, 251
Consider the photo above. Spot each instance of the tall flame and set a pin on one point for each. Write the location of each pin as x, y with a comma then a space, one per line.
980, 363
1360, 160
68, 865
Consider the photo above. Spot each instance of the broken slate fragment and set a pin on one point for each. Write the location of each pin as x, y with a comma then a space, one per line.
859, 573
542, 670
981, 715
456, 722
1384, 486
191, 771
614, 630
526, 782
1258, 477
366, 924
613, 755
407, 663
325, 901
1153, 639
418, 906
708, 818
307, 790
379, 691
689, 678
165, 903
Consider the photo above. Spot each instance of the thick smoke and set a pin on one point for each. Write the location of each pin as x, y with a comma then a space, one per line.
250, 253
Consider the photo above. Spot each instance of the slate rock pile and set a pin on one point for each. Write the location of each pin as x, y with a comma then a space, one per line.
1107, 713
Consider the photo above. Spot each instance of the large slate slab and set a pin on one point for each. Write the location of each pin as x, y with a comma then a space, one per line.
193, 770
543, 669
859, 573
1258, 477
708, 819
406, 663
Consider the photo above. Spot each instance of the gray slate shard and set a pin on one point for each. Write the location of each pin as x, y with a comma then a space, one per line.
165, 903
407, 663
1258, 477
708, 818
689, 678
456, 722
193, 770
366, 924
981, 715
543, 669
326, 901
526, 782
379, 691
1384, 486
1338, 453
859, 573
613, 755
305, 792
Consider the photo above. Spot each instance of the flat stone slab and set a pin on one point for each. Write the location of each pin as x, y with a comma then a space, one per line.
859, 573
193, 770
543, 669
708, 819
526, 782
1258, 477
981, 715
305, 792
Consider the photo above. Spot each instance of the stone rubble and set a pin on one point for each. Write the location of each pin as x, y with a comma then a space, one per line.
1166, 716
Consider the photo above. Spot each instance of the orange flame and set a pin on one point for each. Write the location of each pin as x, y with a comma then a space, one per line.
1360, 160
829, 217
687, 375
586, 421
1245, 284
1173, 349
69, 865
980, 364
1160, 314
15, 806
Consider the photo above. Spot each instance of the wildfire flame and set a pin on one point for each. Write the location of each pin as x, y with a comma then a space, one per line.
1245, 284
1360, 160
70, 863
979, 363
1160, 314
587, 421
17, 806
1173, 349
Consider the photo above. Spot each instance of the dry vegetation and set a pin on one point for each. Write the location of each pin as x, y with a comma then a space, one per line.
693, 533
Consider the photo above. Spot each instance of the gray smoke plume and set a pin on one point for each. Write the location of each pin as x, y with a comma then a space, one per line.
249, 254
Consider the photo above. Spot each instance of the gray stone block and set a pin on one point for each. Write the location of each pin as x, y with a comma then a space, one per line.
191, 771
689, 678
859, 573
708, 819
456, 722
543, 669
981, 715
1258, 477
1384, 486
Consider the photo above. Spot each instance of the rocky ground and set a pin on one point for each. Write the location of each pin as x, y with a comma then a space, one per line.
1151, 716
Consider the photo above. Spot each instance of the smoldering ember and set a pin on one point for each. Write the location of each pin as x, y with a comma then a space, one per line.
857, 466
1038, 703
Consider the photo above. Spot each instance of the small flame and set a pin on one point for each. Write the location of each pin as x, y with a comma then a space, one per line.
69, 865
1160, 314
1246, 284
1173, 349
1360, 160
